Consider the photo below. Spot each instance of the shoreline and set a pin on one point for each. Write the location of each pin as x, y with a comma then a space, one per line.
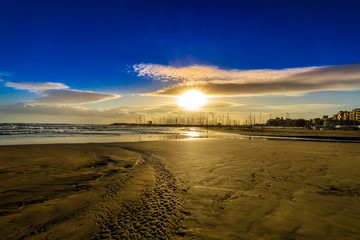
196, 133
298, 133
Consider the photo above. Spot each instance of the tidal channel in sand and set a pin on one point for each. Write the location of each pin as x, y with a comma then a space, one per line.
185, 189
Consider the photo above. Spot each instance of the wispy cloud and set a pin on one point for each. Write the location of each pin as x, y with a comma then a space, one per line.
291, 108
35, 86
200, 73
5, 74
208, 106
72, 97
59, 93
214, 81
309, 106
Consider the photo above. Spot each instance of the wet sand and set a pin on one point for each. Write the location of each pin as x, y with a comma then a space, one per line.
291, 132
181, 189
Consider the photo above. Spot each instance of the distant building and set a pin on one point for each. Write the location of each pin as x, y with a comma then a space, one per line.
281, 122
356, 114
338, 121
317, 121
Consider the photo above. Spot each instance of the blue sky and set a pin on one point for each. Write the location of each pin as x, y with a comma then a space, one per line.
92, 50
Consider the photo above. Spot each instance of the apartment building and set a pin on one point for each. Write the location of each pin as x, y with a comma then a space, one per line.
353, 115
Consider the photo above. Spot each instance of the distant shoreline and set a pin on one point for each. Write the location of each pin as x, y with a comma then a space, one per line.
290, 132
351, 135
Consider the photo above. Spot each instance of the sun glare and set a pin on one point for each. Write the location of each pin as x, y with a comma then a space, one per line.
192, 100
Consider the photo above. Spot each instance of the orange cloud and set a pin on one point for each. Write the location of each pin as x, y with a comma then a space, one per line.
214, 81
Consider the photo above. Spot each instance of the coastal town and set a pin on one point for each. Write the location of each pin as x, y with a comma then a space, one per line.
340, 120
346, 120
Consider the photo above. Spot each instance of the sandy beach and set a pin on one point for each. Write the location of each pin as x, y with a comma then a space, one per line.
181, 189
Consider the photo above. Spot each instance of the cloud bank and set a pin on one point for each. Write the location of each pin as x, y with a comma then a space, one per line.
218, 82
59, 93
129, 113
72, 111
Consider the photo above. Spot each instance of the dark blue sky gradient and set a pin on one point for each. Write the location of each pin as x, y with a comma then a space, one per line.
91, 44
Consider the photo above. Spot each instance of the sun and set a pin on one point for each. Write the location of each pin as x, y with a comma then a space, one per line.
192, 100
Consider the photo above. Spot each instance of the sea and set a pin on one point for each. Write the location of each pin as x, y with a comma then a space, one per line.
31, 133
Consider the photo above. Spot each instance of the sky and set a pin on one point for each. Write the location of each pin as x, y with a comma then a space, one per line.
118, 61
